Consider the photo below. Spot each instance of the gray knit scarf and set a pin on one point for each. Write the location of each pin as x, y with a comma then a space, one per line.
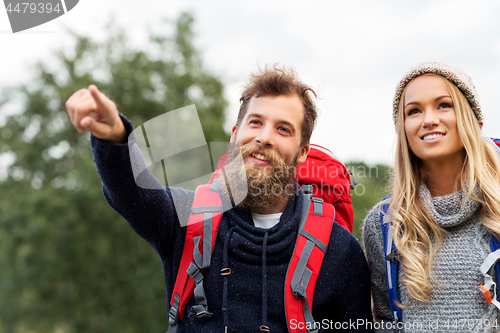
456, 305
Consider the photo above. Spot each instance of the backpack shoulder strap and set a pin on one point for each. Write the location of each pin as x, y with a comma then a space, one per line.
489, 265
310, 248
495, 245
206, 214
391, 259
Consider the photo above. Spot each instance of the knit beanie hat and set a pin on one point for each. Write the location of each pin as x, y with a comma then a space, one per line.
454, 75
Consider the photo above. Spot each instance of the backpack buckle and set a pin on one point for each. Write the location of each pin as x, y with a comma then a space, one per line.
318, 200
172, 316
193, 270
307, 190
393, 256
318, 206
204, 314
173, 312
199, 311
299, 291
486, 293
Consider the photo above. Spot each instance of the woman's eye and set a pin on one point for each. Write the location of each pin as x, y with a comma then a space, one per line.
413, 111
445, 106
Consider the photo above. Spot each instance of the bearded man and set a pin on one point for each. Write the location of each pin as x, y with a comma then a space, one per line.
256, 238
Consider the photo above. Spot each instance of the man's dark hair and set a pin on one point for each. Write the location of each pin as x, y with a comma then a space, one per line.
277, 81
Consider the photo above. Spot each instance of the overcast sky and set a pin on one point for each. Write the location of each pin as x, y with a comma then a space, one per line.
353, 52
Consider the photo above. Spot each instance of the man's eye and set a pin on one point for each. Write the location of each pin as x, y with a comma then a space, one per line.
255, 121
283, 129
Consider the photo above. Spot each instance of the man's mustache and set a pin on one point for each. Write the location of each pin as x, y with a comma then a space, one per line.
269, 154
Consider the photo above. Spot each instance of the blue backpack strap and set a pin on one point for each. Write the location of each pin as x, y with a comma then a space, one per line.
391, 259
490, 264
495, 242
495, 245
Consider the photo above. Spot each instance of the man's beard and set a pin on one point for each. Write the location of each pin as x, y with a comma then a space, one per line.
266, 186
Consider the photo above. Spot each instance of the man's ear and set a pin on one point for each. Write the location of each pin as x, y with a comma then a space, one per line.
304, 150
233, 134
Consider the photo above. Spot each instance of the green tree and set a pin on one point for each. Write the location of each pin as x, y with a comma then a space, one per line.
68, 262
372, 187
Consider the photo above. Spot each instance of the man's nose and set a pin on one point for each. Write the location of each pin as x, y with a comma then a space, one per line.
265, 137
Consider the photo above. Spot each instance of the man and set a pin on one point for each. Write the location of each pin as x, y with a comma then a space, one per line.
256, 239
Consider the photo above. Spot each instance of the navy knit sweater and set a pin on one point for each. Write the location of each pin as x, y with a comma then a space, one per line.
342, 294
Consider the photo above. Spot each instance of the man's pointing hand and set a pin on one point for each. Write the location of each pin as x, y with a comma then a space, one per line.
91, 110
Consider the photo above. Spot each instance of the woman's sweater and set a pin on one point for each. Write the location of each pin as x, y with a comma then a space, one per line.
456, 304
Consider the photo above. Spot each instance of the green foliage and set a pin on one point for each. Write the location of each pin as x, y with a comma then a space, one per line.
68, 262
372, 188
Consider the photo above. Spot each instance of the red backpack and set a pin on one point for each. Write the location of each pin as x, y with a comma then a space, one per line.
331, 185
331, 182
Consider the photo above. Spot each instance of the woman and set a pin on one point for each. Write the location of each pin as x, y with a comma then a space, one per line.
444, 205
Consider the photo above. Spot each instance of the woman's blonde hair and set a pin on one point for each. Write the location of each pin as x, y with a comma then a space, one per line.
417, 236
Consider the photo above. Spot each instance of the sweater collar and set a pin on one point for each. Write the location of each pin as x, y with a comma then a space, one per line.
247, 241
449, 210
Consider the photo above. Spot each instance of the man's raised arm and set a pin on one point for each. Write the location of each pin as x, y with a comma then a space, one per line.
150, 212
